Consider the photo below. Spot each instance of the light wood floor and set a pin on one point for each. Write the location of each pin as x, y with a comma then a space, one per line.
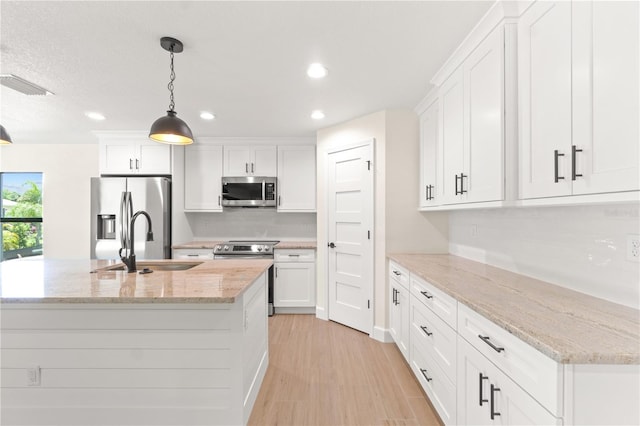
323, 373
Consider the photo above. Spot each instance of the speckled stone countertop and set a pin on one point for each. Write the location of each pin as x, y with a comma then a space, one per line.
280, 245
72, 281
568, 326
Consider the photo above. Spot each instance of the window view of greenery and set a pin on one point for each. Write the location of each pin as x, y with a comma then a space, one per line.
21, 207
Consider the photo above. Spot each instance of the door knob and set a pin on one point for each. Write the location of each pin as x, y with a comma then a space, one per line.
331, 245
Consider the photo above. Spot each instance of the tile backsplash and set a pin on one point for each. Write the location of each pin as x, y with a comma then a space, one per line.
252, 223
578, 247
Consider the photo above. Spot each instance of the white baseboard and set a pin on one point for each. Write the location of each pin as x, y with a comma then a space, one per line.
321, 313
382, 335
295, 310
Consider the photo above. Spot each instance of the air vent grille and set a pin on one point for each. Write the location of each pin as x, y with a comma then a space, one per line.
23, 86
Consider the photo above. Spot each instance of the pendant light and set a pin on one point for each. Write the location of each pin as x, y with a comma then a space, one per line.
171, 129
5, 139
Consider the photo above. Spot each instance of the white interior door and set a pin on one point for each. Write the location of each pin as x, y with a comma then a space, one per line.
350, 229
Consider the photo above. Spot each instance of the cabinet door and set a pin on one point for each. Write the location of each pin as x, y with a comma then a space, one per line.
429, 185
118, 158
404, 321
203, 178
294, 285
395, 318
237, 160
154, 159
483, 70
484, 390
296, 178
264, 161
452, 136
544, 90
605, 88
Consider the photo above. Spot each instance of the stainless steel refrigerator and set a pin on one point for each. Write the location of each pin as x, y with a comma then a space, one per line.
114, 200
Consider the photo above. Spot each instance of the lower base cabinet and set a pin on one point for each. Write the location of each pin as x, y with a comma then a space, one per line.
294, 279
487, 396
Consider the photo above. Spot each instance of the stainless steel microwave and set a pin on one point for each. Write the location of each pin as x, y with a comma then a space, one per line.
249, 191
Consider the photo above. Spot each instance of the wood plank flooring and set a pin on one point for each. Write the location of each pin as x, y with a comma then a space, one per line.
323, 373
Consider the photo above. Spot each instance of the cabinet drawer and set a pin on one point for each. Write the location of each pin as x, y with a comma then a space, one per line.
536, 373
192, 254
399, 274
439, 302
441, 391
294, 255
435, 336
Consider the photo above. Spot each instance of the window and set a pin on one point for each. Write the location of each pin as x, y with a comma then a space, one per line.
21, 215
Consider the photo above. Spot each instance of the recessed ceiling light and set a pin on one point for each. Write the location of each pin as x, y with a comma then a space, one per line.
317, 70
95, 116
317, 115
207, 115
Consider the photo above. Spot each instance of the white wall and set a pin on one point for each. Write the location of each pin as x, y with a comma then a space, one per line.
396, 159
66, 204
578, 247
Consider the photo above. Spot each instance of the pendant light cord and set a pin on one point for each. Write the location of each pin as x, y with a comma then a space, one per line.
172, 77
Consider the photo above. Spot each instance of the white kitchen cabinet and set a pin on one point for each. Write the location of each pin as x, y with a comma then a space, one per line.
472, 105
297, 178
451, 108
294, 279
578, 97
399, 307
192, 254
429, 168
440, 390
133, 154
243, 160
203, 178
488, 396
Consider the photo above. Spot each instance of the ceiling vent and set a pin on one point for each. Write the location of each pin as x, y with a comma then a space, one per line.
23, 86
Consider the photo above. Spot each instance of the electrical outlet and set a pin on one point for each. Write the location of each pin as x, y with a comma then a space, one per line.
633, 247
33, 376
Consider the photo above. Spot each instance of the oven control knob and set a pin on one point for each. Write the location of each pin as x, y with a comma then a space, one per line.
217, 248
226, 248
259, 248
266, 248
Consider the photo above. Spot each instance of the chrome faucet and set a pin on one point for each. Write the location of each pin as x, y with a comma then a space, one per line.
130, 260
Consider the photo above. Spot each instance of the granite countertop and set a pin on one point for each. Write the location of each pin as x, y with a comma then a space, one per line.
281, 245
91, 281
568, 326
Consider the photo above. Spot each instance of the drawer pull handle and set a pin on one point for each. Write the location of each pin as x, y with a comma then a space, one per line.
482, 377
193, 255
493, 412
487, 340
426, 330
424, 373
397, 273
427, 295
395, 296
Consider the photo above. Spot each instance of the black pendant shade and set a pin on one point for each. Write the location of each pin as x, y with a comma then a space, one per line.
5, 139
170, 129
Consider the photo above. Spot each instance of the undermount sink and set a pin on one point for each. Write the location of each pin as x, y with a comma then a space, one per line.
155, 266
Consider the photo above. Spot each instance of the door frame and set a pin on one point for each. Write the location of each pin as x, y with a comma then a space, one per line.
370, 142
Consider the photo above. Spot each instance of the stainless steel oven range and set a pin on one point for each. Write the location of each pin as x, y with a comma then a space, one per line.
239, 249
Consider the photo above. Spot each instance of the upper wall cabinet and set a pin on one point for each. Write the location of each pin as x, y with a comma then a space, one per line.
203, 178
429, 180
297, 178
133, 154
472, 109
245, 160
578, 98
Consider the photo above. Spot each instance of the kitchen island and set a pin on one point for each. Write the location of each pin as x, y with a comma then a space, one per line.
86, 344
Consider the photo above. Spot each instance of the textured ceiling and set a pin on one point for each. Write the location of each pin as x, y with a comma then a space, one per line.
243, 61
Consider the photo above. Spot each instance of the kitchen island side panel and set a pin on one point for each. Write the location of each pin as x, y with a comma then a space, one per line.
131, 364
